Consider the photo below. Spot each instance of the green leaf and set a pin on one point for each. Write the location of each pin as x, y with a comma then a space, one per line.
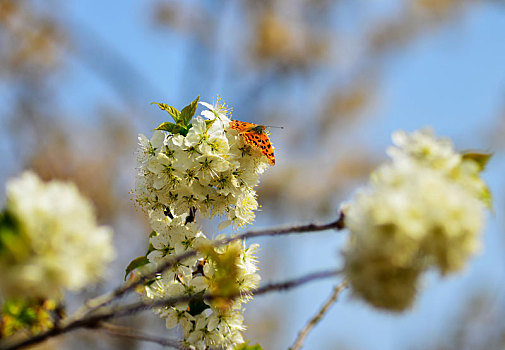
134, 264
150, 249
11, 242
184, 130
189, 111
10, 238
246, 346
481, 158
170, 127
208, 123
487, 198
174, 112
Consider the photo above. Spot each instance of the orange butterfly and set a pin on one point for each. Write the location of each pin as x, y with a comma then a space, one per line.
256, 136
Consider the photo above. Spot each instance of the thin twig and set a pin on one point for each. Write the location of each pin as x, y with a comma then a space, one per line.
95, 320
317, 317
130, 333
105, 299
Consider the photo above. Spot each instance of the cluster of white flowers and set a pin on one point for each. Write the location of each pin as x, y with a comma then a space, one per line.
210, 170
424, 149
424, 209
53, 241
208, 173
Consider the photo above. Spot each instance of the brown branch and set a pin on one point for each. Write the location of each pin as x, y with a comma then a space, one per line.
106, 299
94, 321
133, 308
130, 333
317, 317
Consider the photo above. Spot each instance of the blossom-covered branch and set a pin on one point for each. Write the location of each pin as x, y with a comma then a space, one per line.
95, 320
196, 168
279, 286
104, 300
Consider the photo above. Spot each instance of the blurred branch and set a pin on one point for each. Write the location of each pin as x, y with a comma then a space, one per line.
318, 317
94, 321
130, 333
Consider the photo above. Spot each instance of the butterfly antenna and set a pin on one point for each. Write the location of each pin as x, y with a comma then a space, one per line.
271, 126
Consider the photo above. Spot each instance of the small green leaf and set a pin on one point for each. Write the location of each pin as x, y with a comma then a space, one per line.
184, 130
134, 264
181, 123
174, 112
487, 198
208, 123
189, 111
170, 127
480, 158
246, 346
10, 236
150, 249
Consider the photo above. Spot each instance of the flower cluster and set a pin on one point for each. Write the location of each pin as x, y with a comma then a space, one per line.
204, 171
210, 170
49, 240
424, 209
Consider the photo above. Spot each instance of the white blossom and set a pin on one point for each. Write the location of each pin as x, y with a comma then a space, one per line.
57, 243
211, 160
424, 148
413, 215
208, 173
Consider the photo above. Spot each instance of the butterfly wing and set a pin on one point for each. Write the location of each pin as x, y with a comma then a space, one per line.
257, 140
241, 126
262, 143
267, 148
249, 139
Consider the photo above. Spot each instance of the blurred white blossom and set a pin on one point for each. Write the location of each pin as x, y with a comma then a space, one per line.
424, 148
54, 242
420, 211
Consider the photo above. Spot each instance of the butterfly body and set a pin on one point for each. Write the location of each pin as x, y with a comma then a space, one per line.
258, 129
255, 136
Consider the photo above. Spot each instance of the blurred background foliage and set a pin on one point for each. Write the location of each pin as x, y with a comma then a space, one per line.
76, 79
